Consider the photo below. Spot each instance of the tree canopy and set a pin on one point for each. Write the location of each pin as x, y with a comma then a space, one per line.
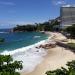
8, 66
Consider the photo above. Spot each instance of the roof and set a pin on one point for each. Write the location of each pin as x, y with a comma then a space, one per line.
68, 5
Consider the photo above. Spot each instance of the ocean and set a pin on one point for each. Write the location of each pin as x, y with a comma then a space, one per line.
22, 47
19, 39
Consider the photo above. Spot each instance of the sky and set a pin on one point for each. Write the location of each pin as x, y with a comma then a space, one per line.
13, 12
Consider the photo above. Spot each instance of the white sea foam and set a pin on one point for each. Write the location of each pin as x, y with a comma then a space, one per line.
30, 55
37, 36
30, 58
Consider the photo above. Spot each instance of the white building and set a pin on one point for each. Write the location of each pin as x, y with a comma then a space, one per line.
67, 15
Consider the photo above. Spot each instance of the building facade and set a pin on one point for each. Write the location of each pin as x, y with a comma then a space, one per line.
67, 16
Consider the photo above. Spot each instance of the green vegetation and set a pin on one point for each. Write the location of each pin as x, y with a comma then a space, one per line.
71, 45
8, 66
46, 26
64, 71
1, 39
38, 27
71, 30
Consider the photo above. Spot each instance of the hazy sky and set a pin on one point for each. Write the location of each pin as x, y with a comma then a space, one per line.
14, 12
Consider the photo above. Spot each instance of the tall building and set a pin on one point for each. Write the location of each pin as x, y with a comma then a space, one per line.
67, 15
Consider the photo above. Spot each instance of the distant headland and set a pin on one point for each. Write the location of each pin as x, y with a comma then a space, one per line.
46, 26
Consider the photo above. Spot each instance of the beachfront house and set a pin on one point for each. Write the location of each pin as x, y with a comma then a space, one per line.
67, 16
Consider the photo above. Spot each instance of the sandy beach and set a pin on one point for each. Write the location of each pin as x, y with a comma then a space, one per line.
56, 58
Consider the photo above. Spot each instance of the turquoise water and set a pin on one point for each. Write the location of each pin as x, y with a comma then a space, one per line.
20, 39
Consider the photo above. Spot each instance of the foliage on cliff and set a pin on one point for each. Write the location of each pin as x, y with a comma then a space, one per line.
71, 30
46, 26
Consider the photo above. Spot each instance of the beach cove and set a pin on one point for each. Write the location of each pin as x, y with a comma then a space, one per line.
55, 58
32, 55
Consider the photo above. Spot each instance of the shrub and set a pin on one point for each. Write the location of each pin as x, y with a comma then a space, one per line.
8, 66
64, 71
